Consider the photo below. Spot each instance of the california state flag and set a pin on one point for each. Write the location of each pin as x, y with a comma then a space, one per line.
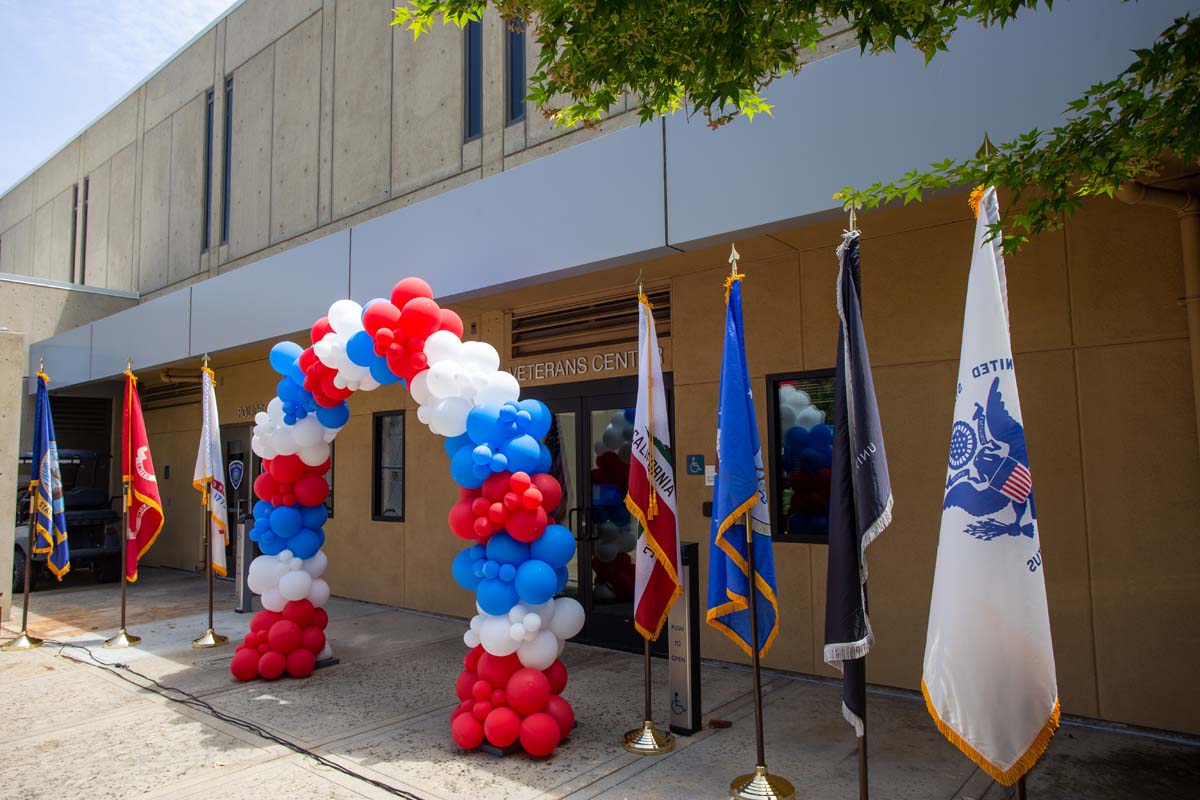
145, 517
651, 498
989, 677
209, 477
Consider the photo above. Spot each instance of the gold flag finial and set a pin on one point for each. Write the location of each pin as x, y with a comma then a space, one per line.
734, 275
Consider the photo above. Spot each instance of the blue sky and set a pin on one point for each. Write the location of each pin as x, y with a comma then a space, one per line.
64, 62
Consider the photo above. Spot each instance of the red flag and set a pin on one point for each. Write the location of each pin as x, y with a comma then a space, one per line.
651, 498
145, 517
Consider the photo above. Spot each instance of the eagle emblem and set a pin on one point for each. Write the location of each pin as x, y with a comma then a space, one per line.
989, 472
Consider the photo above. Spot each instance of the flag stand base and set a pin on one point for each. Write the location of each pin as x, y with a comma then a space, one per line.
23, 642
648, 740
122, 639
761, 785
210, 639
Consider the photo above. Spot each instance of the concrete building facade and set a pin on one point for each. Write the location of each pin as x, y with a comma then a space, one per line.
299, 152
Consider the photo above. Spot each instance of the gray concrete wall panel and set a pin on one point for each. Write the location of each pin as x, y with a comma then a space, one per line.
525, 224
94, 247
362, 105
252, 26
244, 305
325, 163
56, 174
119, 266
294, 148
16, 204
43, 240
16, 248
180, 79
187, 190
68, 357
110, 134
152, 333
250, 193
155, 217
427, 108
61, 237
853, 120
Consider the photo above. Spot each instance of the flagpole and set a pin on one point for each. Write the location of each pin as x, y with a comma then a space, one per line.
123, 638
863, 783
210, 638
24, 641
647, 740
760, 784
1021, 788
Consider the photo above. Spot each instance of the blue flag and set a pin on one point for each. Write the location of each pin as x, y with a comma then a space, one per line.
47, 527
739, 489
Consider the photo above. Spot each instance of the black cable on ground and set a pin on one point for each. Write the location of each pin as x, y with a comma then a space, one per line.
192, 701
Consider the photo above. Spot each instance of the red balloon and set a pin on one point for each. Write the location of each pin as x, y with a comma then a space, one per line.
498, 700
286, 469
320, 618
450, 322
462, 520
272, 664
260, 638
467, 495
244, 665
551, 491
465, 683
527, 691
263, 649
307, 359
299, 612
311, 490
540, 734
265, 487
300, 663
251, 639
525, 525
407, 289
496, 670
563, 714
420, 317
556, 673
263, 620
454, 714
467, 731
519, 482
284, 636
496, 486
481, 710
482, 690
471, 659
321, 468
319, 329
313, 640
502, 727
380, 315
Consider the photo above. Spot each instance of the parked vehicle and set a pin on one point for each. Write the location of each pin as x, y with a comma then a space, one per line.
93, 524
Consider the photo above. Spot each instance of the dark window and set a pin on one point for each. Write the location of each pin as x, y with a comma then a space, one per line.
227, 166
329, 478
206, 214
516, 74
387, 481
474, 80
83, 235
800, 424
74, 222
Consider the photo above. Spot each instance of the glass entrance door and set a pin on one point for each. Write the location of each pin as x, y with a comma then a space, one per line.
589, 443
241, 468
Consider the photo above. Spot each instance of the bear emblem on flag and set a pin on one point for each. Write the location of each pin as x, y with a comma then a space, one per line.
989, 472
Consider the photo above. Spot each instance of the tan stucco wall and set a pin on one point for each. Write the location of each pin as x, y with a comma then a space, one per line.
12, 368
1101, 354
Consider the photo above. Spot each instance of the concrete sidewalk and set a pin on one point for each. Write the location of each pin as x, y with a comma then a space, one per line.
71, 730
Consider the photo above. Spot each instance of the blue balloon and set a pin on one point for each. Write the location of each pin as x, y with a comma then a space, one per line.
313, 517
820, 436
256, 534
284, 355
826, 454
334, 418
504, 549
285, 521
507, 572
263, 509
544, 459
555, 546
491, 569
524, 454
535, 583
484, 426
360, 348
630, 414
380, 372
462, 469
809, 460
539, 418
456, 443
373, 301
296, 374
271, 544
496, 596
477, 551
562, 575
463, 570
306, 543
262, 524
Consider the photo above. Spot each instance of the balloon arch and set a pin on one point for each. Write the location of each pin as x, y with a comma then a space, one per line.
509, 689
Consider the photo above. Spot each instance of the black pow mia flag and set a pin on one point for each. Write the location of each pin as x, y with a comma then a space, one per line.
860, 499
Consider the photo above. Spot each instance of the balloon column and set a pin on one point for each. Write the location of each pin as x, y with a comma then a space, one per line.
807, 457
517, 558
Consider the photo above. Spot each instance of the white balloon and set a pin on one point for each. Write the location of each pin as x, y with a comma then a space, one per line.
272, 600
316, 565
625, 452
295, 585
443, 379
532, 622
345, 317
264, 573
627, 431
326, 652
418, 387
618, 419
316, 455
318, 593
479, 356
517, 613
494, 635
809, 416
284, 442
612, 438
275, 410
443, 346
598, 447
568, 618
308, 432
787, 418
501, 387
261, 418
471, 639
424, 415
517, 631
540, 652
449, 417
261, 445
476, 621
545, 611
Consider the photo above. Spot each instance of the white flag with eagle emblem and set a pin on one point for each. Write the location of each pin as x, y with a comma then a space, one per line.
988, 678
